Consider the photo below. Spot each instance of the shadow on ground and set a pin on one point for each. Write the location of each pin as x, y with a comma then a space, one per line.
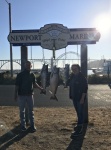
12, 136
76, 143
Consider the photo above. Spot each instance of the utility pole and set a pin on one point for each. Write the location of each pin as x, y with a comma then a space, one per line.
10, 30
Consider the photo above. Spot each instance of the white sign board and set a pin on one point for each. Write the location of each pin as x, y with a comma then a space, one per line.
54, 36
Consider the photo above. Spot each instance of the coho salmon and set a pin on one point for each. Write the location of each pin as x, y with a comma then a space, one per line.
66, 75
54, 81
43, 76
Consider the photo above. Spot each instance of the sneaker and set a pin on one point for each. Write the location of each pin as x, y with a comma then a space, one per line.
27, 123
75, 128
23, 129
78, 126
78, 132
33, 128
75, 134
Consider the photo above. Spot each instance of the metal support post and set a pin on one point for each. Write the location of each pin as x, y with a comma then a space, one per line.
84, 71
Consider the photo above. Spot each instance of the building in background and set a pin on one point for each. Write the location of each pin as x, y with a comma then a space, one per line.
107, 67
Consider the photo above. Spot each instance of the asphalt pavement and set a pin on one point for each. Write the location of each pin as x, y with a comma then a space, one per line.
98, 96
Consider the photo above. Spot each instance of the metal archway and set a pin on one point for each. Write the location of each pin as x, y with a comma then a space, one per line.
68, 53
8, 62
64, 54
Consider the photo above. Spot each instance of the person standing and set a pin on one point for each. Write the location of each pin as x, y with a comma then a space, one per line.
78, 87
24, 91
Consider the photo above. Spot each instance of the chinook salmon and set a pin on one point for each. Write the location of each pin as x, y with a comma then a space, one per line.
54, 81
43, 76
66, 75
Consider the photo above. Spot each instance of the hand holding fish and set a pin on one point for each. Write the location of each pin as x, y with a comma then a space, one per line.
43, 76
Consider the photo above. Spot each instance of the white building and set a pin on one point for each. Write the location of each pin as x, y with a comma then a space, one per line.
107, 67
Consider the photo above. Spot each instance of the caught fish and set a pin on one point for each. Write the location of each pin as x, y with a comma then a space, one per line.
66, 75
43, 76
54, 81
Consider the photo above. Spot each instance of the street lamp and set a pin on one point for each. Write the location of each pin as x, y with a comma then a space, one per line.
10, 30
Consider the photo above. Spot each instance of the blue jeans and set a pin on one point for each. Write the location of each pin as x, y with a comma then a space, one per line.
22, 100
79, 110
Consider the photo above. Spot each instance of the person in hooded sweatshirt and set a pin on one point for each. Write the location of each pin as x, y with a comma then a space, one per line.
78, 87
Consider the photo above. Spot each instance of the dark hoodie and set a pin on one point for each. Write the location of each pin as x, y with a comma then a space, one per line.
77, 85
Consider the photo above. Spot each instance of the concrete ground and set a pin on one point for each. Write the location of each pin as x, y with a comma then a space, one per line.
98, 96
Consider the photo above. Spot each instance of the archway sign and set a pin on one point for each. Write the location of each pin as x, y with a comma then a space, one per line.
54, 37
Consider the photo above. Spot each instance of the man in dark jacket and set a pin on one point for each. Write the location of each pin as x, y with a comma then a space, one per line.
77, 92
24, 90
